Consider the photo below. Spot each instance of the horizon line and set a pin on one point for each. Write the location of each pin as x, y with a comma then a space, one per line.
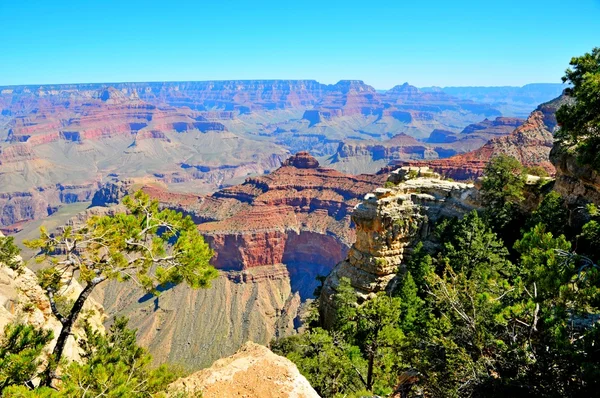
267, 80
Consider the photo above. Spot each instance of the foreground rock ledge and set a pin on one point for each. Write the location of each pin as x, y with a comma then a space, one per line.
254, 371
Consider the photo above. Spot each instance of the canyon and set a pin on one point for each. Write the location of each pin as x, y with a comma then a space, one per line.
369, 156
59, 143
272, 236
275, 222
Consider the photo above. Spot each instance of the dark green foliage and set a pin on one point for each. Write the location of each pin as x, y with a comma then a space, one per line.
561, 305
470, 246
9, 252
113, 365
20, 350
502, 191
328, 362
553, 213
589, 238
419, 265
580, 121
411, 305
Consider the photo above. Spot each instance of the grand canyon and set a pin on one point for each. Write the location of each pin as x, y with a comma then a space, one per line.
277, 218
60, 143
321, 199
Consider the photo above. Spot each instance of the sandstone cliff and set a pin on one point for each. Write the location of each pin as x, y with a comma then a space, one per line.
389, 222
254, 371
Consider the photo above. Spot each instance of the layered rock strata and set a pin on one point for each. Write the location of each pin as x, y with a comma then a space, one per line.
272, 235
368, 156
389, 222
529, 143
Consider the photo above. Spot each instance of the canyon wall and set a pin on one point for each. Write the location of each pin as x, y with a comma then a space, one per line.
530, 144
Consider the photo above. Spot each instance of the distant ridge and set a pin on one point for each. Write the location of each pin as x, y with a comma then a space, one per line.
510, 100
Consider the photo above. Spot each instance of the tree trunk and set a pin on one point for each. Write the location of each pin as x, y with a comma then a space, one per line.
370, 372
67, 324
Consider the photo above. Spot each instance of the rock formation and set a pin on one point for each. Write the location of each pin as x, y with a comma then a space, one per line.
389, 222
578, 184
254, 371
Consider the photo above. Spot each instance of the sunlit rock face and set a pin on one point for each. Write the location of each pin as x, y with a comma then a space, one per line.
253, 371
389, 222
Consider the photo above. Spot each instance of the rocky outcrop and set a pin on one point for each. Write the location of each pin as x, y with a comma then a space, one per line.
111, 192
254, 371
489, 128
389, 222
438, 136
302, 160
578, 184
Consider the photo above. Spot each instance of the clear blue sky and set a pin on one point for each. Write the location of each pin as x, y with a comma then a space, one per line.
436, 42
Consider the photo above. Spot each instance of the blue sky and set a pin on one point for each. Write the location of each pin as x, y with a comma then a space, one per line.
437, 42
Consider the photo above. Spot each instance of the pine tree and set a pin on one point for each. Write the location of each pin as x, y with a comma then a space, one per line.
145, 245
20, 350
